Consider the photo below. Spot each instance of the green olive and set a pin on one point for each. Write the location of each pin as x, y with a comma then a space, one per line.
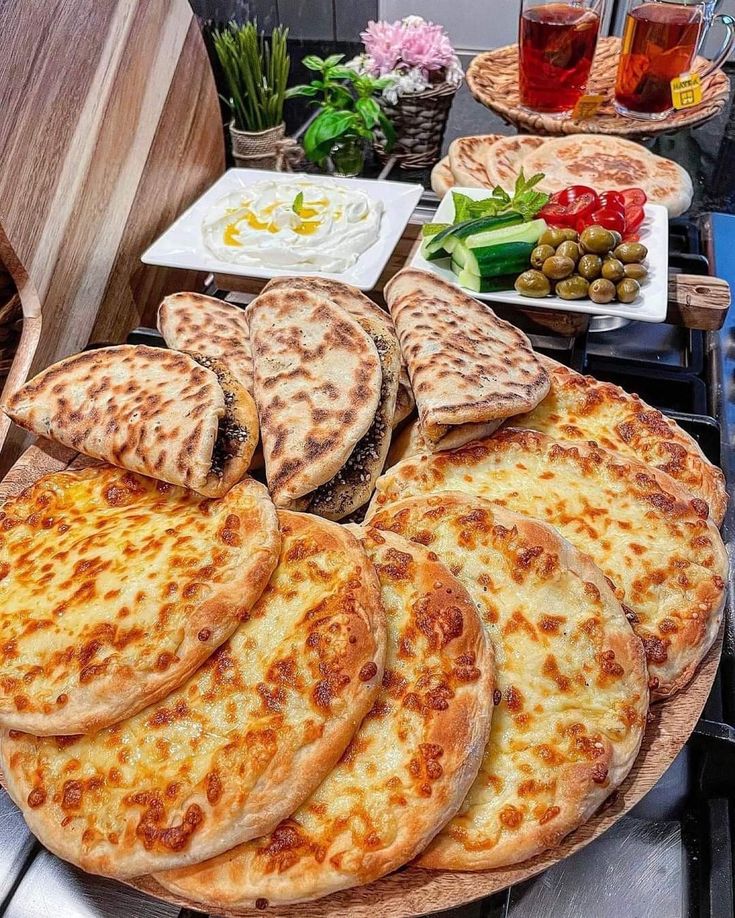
570, 235
552, 236
631, 252
533, 283
613, 270
570, 249
540, 254
602, 291
558, 267
628, 290
597, 239
590, 266
617, 236
573, 288
637, 272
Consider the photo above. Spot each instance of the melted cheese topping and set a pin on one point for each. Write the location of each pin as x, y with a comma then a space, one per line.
106, 579
581, 408
664, 556
395, 784
570, 693
238, 746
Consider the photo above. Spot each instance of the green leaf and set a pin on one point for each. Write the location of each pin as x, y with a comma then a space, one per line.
333, 60
431, 229
389, 131
324, 130
298, 203
312, 62
370, 111
305, 89
462, 206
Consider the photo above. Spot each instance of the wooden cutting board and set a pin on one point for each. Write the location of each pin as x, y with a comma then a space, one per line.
110, 129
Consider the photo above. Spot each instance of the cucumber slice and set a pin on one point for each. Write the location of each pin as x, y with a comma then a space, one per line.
528, 232
433, 256
478, 284
496, 260
446, 239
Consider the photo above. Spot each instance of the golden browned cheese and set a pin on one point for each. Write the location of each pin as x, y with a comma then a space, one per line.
582, 408
205, 325
407, 769
468, 367
145, 409
115, 587
240, 745
360, 306
317, 388
571, 691
504, 158
653, 540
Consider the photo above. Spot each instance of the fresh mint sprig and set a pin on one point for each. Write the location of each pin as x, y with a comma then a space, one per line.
525, 200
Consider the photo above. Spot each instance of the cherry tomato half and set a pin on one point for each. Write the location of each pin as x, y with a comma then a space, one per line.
568, 207
612, 200
634, 217
634, 197
609, 218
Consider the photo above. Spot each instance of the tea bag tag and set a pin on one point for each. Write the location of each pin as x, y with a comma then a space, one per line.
587, 106
686, 91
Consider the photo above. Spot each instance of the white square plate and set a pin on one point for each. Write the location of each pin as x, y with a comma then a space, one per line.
182, 245
650, 306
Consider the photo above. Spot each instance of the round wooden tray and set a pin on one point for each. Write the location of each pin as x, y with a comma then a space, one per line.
412, 891
493, 80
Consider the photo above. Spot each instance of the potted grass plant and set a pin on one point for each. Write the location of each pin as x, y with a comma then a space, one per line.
256, 73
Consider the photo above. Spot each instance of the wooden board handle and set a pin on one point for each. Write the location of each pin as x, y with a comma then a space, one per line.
698, 302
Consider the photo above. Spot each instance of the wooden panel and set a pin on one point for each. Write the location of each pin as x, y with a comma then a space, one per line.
110, 129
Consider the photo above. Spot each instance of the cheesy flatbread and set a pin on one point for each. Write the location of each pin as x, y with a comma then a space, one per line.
571, 685
653, 540
116, 587
407, 769
240, 745
582, 408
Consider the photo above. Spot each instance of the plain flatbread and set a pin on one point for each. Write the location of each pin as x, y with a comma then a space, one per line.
354, 483
654, 541
611, 163
571, 683
442, 177
317, 387
467, 160
505, 158
582, 408
407, 769
240, 745
193, 322
146, 409
115, 588
358, 305
467, 366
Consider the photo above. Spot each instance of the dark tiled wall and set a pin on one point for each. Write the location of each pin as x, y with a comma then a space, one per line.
330, 20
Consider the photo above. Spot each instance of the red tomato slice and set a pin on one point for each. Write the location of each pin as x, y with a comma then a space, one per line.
634, 197
568, 207
609, 218
632, 237
573, 193
612, 200
634, 217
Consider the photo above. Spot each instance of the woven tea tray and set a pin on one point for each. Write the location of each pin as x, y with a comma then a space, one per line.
493, 80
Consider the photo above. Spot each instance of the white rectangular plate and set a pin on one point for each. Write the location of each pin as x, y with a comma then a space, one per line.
650, 306
182, 245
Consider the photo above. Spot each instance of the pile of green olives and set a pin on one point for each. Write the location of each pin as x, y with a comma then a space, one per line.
595, 263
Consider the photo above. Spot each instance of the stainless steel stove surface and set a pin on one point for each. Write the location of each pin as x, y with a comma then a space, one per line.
672, 855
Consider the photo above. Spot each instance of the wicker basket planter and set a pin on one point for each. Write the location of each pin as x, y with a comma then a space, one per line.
269, 149
420, 120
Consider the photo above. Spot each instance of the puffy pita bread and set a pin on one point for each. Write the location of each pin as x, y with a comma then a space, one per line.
467, 366
317, 381
353, 484
608, 163
192, 322
148, 410
504, 158
442, 177
357, 304
467, 160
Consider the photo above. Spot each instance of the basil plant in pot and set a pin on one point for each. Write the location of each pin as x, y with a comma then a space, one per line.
349, 118
255, 71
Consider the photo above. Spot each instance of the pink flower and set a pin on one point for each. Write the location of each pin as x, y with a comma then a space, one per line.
406, 44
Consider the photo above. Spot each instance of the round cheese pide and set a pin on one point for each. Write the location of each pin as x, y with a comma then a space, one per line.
116, 587
649, 535
571, 693
407, 769
240, 745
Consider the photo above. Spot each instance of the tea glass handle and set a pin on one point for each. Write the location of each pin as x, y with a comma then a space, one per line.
727, 46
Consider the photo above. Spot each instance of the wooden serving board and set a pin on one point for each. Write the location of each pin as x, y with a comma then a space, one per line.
414, 891
111, 128
492, 78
